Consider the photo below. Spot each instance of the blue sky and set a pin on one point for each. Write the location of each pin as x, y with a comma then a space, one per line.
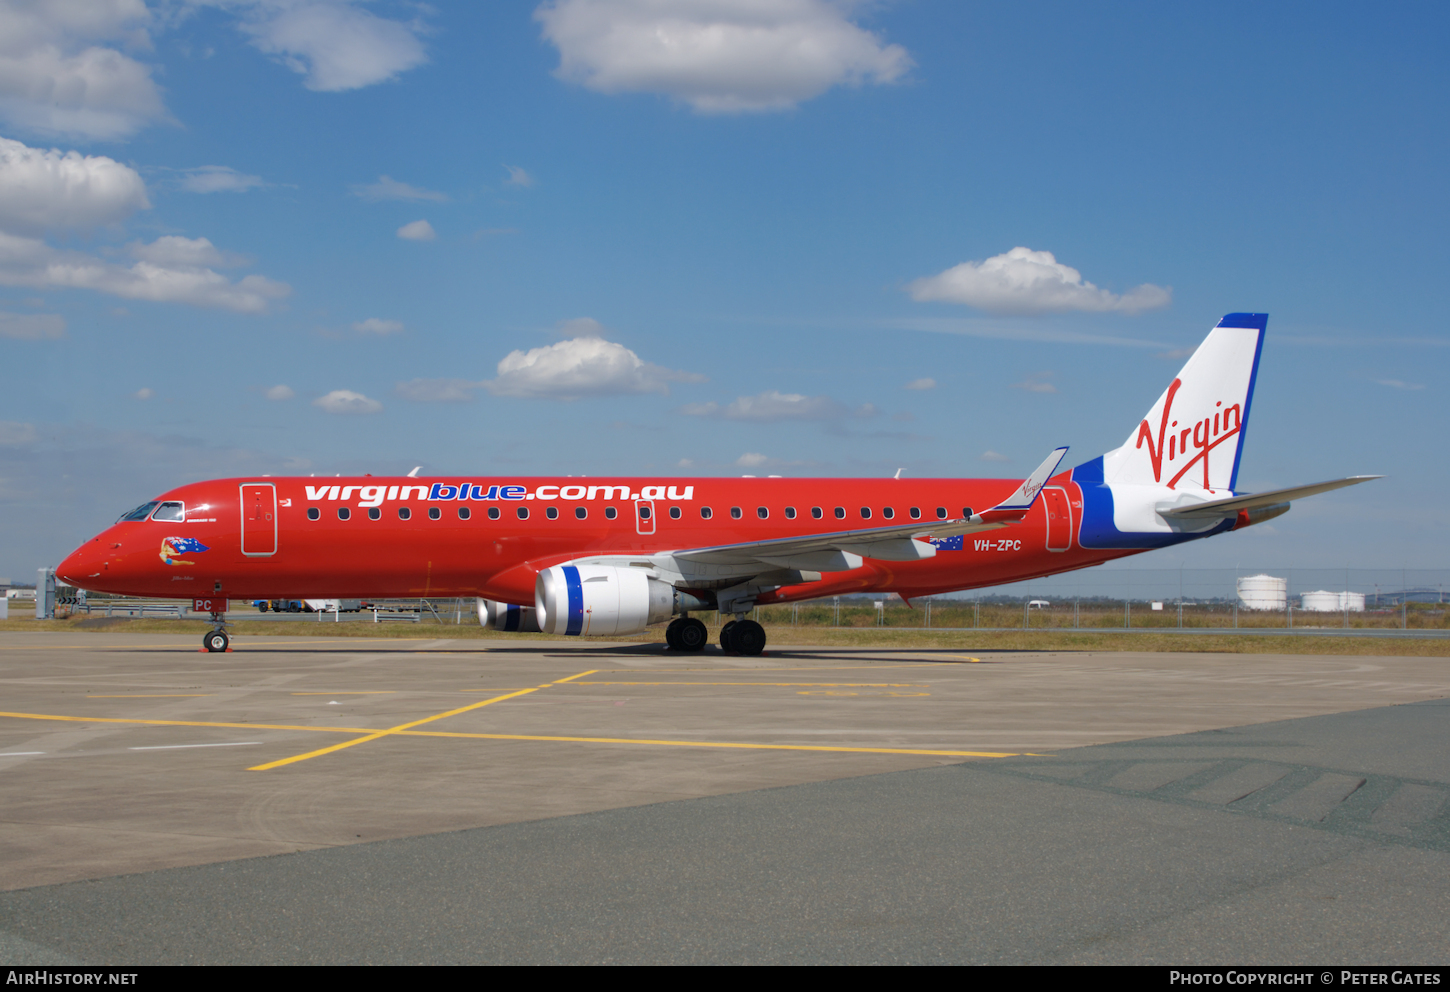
718, 255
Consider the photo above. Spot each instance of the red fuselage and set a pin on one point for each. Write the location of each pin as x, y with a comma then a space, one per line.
311, 538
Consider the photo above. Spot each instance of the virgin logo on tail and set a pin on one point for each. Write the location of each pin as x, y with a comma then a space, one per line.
1207, 434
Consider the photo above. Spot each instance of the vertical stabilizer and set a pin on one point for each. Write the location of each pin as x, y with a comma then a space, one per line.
1193, 436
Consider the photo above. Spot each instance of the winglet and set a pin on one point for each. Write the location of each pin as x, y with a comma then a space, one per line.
1015, 507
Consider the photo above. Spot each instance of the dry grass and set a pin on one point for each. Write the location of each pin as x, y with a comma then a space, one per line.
783, 635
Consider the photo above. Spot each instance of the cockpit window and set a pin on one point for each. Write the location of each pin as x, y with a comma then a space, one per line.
140, 513
170, 511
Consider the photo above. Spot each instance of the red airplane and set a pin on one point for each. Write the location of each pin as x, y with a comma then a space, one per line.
613, 555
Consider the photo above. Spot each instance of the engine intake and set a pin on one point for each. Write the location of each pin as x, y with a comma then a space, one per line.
602, 599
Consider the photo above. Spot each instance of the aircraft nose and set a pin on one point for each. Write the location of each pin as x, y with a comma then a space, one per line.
82, 563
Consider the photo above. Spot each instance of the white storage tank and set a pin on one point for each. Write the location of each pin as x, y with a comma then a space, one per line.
1332, 602
1263, 592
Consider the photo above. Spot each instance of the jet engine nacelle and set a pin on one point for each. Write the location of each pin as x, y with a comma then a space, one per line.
493, 615
600, 599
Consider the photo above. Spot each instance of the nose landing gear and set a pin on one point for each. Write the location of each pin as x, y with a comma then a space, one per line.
216, 640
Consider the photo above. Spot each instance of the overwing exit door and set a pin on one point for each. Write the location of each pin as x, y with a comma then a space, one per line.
644, 516
259, 519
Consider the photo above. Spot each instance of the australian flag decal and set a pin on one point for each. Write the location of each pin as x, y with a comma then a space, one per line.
172, 548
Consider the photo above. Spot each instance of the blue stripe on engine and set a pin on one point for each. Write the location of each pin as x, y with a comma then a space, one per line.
576, 600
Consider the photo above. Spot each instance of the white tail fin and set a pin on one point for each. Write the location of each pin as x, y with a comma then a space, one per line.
1193, 436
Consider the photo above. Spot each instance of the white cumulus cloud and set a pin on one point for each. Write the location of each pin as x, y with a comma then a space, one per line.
921, 384
437, 390
347, 401
773, 406
388, 188
578, 367
182, 275
47, 190
336, 44
718, 57
518, 177
31, 326
1023, 281
279, 393
218, 179
144, 393
418, 230
14, 432
174, 251
50, 190
58, 77
992, 456
379, 327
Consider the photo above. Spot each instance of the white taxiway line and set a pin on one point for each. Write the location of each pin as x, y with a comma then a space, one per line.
175, 747
19, 754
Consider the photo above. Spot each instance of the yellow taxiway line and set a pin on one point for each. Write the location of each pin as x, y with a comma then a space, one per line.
404, 727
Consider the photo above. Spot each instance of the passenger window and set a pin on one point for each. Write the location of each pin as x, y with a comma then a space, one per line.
493, 513
941, 513
552, 512
464, 513
610, 513
916, 513
580, 512
343, 513
404, 513
865, 513
816, 512
170, 511
523, 513
735, 513
313, 513
374, 513
967, 512
434, 513
790, 513
888, 513
674, 513
762, 513
840, 513
706, 513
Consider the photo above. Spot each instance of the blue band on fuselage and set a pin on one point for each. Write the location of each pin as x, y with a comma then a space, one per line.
576, 600
1098, 529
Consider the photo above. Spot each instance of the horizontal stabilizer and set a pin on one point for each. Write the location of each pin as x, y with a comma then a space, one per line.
1231, 506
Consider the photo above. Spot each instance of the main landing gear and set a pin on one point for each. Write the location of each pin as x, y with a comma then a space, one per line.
216, 640
742, 637
687, 634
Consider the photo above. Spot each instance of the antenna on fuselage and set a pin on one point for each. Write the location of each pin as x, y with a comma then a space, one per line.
898, 474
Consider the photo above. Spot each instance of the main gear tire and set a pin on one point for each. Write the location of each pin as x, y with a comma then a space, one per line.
748, 638
672, 635
727, 642
692, 635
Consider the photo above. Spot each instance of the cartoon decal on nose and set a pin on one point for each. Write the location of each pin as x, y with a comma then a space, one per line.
172, 548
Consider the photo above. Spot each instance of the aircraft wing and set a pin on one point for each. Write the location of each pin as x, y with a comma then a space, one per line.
833, 552
1232, 505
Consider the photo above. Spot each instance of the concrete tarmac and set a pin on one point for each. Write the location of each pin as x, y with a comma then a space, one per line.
436, 801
